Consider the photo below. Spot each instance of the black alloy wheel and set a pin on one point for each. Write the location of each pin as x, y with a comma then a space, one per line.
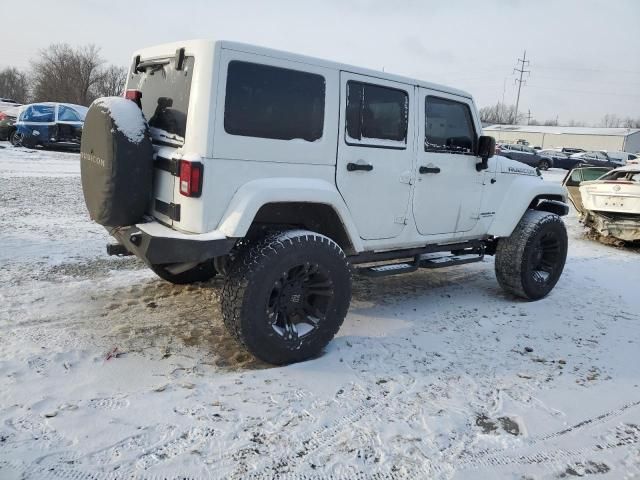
299, 301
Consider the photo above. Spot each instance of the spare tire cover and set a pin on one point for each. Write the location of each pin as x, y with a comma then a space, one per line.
116, 162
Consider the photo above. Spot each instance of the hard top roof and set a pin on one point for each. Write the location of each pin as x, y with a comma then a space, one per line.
204, 45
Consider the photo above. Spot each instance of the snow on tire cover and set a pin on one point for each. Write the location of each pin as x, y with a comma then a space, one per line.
116, 162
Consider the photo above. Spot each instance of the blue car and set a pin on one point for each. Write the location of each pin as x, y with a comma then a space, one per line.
49, 124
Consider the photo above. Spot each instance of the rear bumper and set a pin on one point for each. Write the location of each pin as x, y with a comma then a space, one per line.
626, 228
157, 244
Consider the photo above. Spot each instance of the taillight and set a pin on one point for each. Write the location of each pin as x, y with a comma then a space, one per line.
2, 116
190, 178
134, 96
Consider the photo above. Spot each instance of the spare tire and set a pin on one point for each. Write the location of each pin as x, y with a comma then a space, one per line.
116, 162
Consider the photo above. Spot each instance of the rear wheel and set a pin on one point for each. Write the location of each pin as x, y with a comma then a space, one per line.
529, 262
544, 164
286, 296
201, 273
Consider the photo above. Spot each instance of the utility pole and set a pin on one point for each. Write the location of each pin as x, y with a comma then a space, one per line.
522, 63
528, 116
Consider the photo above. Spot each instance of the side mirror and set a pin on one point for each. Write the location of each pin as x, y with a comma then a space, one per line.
486, 149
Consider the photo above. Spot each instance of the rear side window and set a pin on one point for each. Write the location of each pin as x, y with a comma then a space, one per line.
376, 113
66, 114
165, 98
39, 114
272, 102
449, 127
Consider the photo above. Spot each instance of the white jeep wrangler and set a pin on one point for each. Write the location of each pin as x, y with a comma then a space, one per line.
286, 173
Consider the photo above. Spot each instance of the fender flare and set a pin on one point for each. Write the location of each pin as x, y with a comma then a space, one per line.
251, 196
518, 199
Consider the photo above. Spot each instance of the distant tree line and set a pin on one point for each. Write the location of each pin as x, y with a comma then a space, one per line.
63, 73
505, 114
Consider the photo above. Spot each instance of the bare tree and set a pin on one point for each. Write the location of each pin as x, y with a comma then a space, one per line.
66, 74
498, 113
111, 82
611, 120
14, 84
631, 123
551, 123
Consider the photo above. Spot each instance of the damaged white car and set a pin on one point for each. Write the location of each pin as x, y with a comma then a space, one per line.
608, 201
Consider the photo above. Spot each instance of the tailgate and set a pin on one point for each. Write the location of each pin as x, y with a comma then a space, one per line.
165, 85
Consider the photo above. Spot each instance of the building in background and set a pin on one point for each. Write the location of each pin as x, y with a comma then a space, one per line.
611, 139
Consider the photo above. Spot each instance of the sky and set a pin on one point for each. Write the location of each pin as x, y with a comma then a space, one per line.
584, 54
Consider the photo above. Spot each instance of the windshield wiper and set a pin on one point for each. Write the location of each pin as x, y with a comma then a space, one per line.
155, 64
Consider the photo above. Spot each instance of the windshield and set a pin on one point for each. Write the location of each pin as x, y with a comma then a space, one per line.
165, 99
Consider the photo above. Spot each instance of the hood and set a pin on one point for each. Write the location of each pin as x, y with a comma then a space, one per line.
507, 166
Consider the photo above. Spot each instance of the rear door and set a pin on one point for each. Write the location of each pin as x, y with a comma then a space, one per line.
449, 187
165, 98
376, 153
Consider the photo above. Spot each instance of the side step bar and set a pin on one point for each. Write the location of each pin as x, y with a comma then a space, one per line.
425, 260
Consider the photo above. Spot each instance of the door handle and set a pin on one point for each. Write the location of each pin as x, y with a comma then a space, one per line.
352, 167
429, 169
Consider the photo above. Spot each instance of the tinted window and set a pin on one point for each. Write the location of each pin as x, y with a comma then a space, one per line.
376, 113
66, 114
448, 127
39, 113
272, 102
165, 98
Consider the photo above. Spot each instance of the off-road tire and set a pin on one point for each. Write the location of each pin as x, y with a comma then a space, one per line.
201, 273
251, 282
517, 263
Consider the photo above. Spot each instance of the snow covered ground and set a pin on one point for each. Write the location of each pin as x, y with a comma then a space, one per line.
108, 372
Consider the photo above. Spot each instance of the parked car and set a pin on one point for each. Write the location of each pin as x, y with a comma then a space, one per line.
610, 204
48, 124
7, 103
570, 150
7, 122
596, 158
526, 154
623, 157
260, 165
560, 159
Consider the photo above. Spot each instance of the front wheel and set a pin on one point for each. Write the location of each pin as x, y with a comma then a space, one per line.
529, 262
286, 296
16, 138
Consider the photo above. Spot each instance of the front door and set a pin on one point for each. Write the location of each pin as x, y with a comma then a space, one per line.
376, 153
448, 187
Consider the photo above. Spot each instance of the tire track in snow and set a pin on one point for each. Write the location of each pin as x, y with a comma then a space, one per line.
491, 458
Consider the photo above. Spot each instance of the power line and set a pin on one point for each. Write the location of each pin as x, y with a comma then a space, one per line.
522, 62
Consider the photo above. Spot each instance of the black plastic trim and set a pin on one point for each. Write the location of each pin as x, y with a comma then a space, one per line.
171, 210
367, 257
553, 206
170, 165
